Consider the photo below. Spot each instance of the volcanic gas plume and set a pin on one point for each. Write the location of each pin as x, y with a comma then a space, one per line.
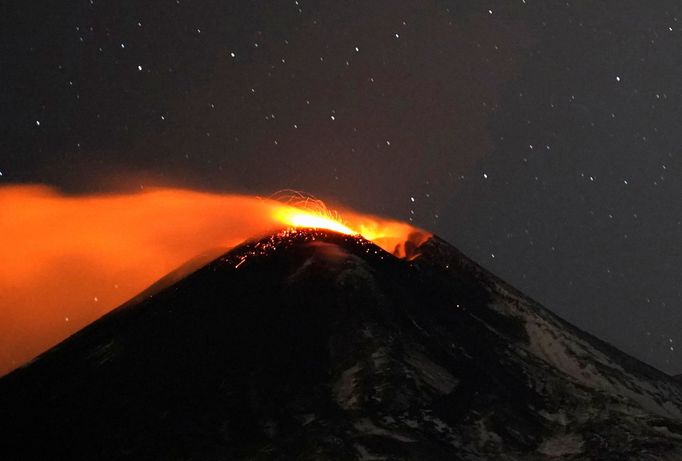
67, 260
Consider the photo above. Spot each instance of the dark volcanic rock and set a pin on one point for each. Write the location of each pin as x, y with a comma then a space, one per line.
314, 345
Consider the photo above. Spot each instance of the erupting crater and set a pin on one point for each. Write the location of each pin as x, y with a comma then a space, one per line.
69, 259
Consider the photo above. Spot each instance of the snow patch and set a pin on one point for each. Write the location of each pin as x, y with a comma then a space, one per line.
558, 418
562, 445
368, 427
365, 455
430, 373
344, 387
486, 435
581, 360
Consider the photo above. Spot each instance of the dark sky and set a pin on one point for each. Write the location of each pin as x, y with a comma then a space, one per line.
542, 138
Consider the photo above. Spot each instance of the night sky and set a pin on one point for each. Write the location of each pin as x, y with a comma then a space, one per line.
542, 138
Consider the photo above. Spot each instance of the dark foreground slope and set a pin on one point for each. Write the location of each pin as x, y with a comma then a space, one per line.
313, 345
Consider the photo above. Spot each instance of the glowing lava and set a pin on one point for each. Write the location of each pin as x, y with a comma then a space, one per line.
304, 211
67, 260
300, 218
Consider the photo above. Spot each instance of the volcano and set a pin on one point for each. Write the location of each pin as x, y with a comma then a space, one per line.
310, 344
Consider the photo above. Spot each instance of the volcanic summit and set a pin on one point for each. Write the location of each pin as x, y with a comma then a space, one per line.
310, 344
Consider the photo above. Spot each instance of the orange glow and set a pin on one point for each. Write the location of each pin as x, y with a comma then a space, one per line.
67, 260
300, 218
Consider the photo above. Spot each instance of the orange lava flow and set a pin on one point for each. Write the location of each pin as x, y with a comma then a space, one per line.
67, 260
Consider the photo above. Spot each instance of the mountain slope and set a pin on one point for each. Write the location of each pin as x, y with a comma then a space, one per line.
315, 345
